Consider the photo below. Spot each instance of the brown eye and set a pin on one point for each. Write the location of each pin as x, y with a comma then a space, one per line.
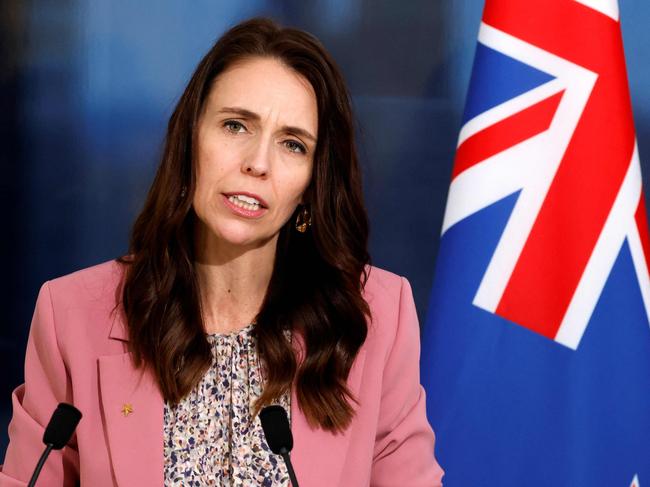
296, 147
233, 123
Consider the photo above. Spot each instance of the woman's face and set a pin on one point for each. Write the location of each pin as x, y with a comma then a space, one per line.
256, 143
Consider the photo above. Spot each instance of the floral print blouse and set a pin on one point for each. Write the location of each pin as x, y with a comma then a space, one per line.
211, 438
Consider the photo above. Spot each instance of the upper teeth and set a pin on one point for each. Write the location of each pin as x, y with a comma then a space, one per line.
246, 199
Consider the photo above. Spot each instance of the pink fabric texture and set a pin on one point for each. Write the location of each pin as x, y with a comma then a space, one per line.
77, 353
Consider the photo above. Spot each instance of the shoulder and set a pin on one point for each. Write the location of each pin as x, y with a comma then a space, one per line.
392, 307
384, 290
381, 279
81, 306
93, 286
90, 279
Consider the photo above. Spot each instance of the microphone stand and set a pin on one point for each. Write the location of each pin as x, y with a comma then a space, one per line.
284, 453
39, 465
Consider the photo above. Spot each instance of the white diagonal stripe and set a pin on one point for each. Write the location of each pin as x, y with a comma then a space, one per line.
620, 222
607, 7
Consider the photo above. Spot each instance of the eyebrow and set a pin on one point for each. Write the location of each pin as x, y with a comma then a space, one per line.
254, 116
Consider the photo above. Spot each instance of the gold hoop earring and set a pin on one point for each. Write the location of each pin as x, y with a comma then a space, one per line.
303, 220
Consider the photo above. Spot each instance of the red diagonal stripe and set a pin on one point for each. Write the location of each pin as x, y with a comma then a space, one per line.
506, 133
572, 215
592, 169
642, 226
565, 28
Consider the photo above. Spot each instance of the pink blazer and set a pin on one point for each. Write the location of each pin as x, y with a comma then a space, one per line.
77, 353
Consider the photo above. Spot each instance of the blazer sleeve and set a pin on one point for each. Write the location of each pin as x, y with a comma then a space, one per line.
46, 384
404, 446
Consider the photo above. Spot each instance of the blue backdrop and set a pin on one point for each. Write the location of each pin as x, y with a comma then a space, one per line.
87, 87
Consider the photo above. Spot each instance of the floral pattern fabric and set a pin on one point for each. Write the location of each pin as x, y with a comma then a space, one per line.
211, 437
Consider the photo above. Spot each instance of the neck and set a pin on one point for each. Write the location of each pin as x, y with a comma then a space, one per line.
233, 283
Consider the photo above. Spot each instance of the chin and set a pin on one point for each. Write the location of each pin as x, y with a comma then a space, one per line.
240, 237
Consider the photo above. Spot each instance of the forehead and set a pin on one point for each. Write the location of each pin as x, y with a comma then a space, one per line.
268, 88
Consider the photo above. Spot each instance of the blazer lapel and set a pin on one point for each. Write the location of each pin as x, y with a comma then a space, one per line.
318, 456
132, 408
136, 438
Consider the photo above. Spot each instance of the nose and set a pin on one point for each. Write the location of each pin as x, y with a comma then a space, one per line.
257, 161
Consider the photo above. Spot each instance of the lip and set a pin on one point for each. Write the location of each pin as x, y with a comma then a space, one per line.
243, 211
250, 195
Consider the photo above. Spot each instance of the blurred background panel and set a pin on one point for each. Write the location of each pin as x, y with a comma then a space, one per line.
87, 87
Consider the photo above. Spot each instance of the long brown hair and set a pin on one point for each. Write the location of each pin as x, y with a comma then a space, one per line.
318, 277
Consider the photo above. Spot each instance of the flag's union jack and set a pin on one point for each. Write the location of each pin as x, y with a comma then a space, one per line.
545, 231
548, 115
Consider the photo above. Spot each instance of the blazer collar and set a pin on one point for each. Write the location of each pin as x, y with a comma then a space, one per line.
118, 327
136, 438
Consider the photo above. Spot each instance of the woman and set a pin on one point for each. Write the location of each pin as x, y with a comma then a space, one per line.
247, 284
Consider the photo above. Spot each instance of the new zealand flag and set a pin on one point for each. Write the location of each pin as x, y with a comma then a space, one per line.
536, 348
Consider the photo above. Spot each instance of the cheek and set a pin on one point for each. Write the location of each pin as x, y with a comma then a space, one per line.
207, 177
296, 186
211, 167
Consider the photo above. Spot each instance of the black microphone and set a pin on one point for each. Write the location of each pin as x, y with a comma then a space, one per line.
277, 431
58, 432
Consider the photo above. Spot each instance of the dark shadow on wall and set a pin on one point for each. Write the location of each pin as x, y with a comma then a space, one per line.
13, 286
42, 163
